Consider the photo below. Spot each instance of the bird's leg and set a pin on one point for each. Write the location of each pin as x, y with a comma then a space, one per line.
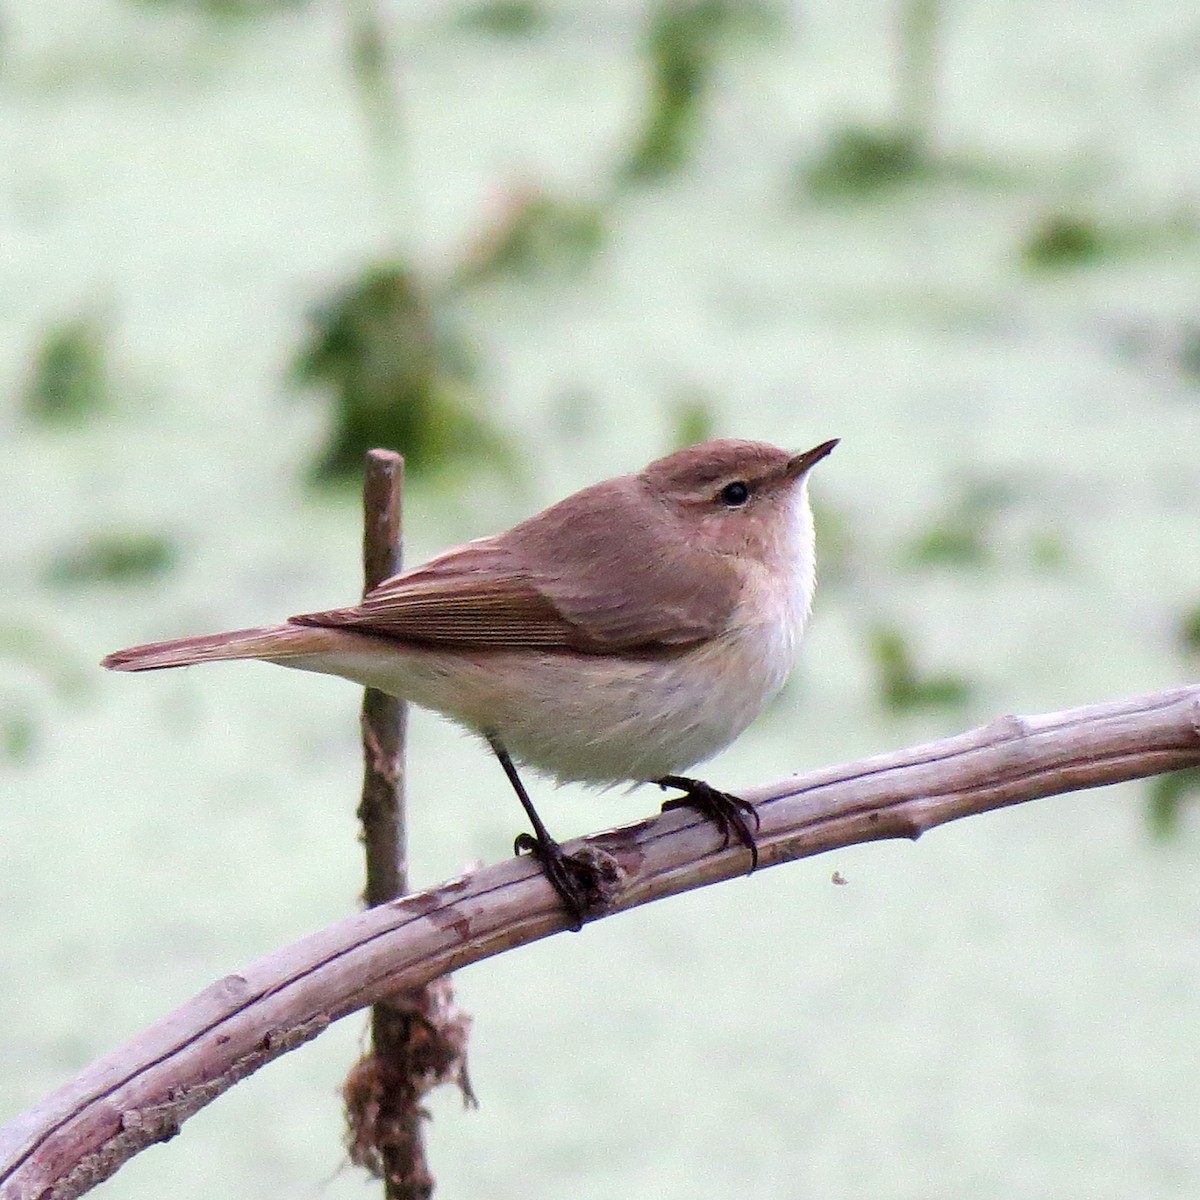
572, 878
730, 814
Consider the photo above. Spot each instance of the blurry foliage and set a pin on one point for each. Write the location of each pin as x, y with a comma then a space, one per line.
682, 43
1187, 356
861, 162
679, 47
535, 234
960, 536
1065, 239
1168, 794
1048, 550
1189, 631
18, 733
70, 377
505, 18
692, 420
1071, 238
112, 558
902, 687
398, 378
236, 10
33, 647
952, 543
27, 646
966, 534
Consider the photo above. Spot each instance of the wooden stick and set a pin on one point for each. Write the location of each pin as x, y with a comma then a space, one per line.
384, 718
418, 1034
144, 1091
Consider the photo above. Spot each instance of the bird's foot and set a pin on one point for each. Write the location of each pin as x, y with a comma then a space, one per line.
585, 881
730, 814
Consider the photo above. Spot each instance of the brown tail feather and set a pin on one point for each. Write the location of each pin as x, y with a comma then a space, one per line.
267, 641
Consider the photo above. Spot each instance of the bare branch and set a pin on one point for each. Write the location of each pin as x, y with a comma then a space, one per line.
142, 1093
418, 1035
384, 718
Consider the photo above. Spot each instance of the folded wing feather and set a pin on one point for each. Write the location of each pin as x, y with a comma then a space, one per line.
557, 581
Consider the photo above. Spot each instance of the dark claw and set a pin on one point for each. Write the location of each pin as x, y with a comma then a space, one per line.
730, 814
573, 879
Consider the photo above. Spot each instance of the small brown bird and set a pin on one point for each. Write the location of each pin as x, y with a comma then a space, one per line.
622, 635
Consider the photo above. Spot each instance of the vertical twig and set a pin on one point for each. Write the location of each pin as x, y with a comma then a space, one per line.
418, 1036
384, 718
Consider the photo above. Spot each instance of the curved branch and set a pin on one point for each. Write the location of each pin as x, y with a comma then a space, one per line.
142, 1093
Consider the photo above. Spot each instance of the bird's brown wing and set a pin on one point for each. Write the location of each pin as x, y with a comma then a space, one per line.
469, 596
592, 574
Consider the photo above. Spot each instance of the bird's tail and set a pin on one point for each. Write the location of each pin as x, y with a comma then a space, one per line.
273, 642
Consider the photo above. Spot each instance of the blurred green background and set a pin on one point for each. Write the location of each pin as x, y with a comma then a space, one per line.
533, 245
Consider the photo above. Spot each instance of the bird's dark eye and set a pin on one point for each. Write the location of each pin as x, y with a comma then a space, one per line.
734, 495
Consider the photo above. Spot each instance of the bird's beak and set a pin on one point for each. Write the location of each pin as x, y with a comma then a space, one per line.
800, 464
